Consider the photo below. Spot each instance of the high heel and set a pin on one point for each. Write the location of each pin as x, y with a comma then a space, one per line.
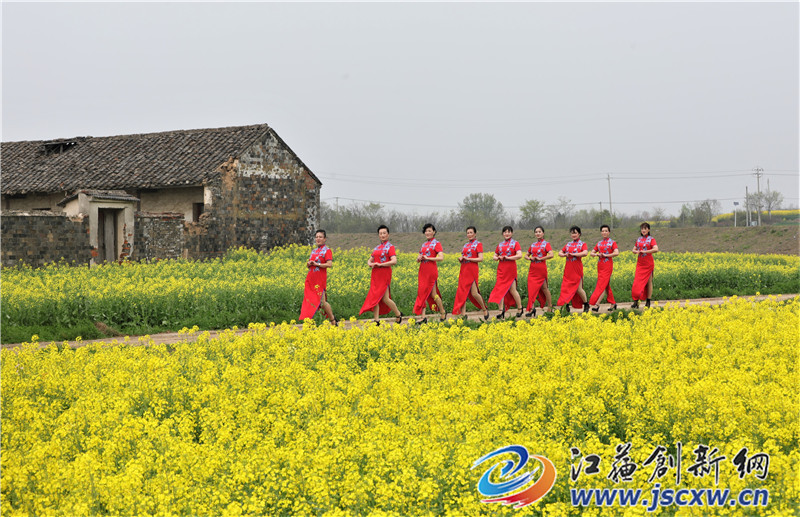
443, 317
486, 315
531, 314
501, 316
519, 313
585, 307
399, 319
612, 308
647, 303
635, 304
596, 308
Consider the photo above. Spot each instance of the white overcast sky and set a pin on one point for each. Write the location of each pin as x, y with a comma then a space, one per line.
417, 105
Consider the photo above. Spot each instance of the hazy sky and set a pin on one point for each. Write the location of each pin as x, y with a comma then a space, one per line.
416, 105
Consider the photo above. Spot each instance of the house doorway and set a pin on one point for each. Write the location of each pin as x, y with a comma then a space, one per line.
107, 234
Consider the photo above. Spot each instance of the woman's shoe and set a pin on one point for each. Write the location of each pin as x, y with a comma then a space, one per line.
519, 313
647, 303
486, 315
585, 307
443, 317
596, 308
635, 305
399, 319
501, 316
531, 314
612, 308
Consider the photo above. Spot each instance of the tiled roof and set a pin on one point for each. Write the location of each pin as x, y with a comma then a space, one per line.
115, 195
152, 160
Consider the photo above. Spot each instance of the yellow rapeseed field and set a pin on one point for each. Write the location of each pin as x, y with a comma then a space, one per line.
375, 420
247, 286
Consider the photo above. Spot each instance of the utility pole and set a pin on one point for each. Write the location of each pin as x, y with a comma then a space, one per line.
747, 205
610, 206
758, 172
735, 204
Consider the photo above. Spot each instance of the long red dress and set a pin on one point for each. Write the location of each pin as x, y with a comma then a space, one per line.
467, 276
605, 266
506, 274
573, 274
644, 268
380, 280
537, 273
316, 282
427, 277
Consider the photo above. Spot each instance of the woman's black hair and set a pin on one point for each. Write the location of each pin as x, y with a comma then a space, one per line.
428, 225
575, 228
471, 228
605, 226
508, 228
539, 227
383, 227
324, 234
643, 226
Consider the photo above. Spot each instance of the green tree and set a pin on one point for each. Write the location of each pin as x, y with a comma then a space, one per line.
532, 214
482, 211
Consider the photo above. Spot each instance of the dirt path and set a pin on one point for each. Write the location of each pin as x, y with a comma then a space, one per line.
175, 337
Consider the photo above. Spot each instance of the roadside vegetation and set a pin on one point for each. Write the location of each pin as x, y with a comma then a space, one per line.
61, 302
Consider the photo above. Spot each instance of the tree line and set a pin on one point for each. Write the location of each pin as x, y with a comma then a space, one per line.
485, 211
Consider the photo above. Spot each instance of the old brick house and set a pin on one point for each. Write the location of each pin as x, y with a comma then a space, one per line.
192, 193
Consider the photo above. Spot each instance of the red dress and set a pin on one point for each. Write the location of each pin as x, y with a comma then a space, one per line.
605, 266
506, 274
467, 276
573, 274
537, 273
428, 275
644, 268
316, 282
380, 280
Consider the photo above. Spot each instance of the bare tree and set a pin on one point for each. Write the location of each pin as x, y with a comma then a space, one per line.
560, 212
772, 201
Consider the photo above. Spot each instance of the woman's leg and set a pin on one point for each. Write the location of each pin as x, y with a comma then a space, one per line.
473, 291
547, 298
392, 306
438, 299
326, 307
515, 294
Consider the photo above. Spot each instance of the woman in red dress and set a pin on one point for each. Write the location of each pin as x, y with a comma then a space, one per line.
427, 280
643, 278
572, 283
606, 250
538, 254
314, 294
471, 255
505, 292
379, 298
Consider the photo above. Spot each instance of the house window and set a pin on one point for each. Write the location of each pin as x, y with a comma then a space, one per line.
197, 209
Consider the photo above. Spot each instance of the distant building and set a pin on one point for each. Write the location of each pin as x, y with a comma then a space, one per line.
192, 193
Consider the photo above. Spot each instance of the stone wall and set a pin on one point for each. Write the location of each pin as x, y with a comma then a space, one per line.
40, 237
158, 236
264, 198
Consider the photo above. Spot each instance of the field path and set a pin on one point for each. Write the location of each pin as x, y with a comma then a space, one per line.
175, 337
